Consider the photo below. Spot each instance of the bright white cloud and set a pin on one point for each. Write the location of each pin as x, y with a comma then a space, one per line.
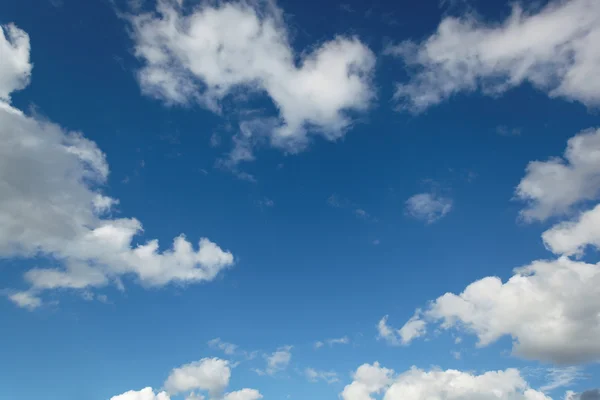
368, 379
554, 49
551, 309
314, 375
15, 68
208, 54
144, 394
428, 207
417, 384
244, 394
415, 327
553, 187
572, 237
51, 205
209, 374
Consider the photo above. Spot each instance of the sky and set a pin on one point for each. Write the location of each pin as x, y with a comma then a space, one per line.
244, 200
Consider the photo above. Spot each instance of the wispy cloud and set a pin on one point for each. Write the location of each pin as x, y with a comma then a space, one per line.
314, 375
337, 201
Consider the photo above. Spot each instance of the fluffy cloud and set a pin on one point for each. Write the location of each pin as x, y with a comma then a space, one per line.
428, 207
15, 67
417, 384
572, 237
144, 394
554, 49
551, 309
553, 187
217, 49
244, 394
51, 205
209, 374
368, 379
415, 327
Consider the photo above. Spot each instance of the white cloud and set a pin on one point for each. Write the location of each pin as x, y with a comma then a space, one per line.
51, 205
244, 394
417, 384
15, 68
549, 308
314, 375
553, 187
144, 394
277, 361
415, 327
368, 379
219, 49
25, 300
428, 207
572, 237
209, 374
554, 49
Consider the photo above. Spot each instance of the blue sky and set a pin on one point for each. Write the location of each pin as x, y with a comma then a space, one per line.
350, 188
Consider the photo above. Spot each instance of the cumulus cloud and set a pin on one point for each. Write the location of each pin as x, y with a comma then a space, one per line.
314, 375
144, 394
572, 237
219, 49
244, 394
367, 380
417, 384
51, 205
554, 186
428, 207
549, 308
209, 374
553, 49
15, 68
